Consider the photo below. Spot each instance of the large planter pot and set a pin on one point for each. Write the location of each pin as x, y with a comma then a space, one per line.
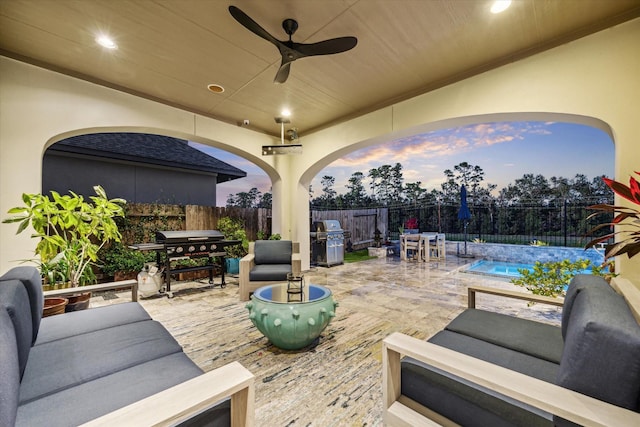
53, 306
289, 323
232, 265
78, 302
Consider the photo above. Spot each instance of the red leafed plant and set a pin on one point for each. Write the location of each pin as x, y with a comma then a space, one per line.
412, 223
628, 235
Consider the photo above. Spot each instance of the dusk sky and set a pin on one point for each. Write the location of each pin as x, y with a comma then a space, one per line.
505, 151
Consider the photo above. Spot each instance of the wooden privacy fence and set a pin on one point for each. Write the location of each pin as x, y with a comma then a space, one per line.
144, 219
361, 223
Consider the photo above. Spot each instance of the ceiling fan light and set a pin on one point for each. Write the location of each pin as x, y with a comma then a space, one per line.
500, 6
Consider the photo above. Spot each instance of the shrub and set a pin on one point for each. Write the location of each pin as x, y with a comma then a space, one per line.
551, 278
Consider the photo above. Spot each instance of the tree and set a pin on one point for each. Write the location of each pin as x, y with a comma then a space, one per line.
356, 196
414, 192
328, 193
471, 177
386, 183
243, 199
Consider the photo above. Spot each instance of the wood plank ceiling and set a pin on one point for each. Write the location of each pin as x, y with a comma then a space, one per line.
170, 50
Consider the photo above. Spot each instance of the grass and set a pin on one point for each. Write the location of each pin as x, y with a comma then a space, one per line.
355, 256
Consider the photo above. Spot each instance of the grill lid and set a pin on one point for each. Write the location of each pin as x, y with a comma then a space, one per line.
327, 225
187, 236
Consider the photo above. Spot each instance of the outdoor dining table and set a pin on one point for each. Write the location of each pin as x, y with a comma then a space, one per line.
420, 244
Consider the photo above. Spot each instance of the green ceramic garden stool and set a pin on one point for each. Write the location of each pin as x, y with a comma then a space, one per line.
291, 324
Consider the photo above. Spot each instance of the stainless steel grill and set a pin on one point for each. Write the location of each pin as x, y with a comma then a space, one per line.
327, 243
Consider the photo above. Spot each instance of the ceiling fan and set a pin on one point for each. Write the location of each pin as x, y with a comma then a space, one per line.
290, 50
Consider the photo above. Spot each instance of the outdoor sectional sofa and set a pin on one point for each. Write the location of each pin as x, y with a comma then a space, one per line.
109, 366
487, 368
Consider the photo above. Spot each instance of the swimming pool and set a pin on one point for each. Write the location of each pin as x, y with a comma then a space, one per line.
501, 268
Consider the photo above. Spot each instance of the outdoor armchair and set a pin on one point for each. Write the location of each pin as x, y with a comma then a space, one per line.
268, 262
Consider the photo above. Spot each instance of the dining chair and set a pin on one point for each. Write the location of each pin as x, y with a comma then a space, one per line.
410, 244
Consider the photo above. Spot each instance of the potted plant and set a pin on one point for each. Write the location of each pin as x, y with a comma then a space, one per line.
70, 230
233, 229
123, 263
626, 219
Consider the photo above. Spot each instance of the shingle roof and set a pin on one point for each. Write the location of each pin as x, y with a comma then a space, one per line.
147, 148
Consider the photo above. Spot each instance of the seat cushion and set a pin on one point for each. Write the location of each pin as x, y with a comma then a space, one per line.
269, 272
14, 300
86, 321
466, 403
602, 349
578, 283
273, 251
9, 370
30, 278
536, 339
68, 362
107, 393
501, 356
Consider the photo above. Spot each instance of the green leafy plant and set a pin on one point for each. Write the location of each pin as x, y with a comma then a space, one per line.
118, 257
551, 278
536, 242
233, 229
628, 218
480, 241
70, 230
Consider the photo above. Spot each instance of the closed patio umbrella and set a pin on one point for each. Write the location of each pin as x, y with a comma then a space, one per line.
465, 215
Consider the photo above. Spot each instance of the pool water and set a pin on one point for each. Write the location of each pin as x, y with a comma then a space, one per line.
502, 269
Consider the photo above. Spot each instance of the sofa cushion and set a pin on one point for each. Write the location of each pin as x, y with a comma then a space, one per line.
9, 370
602, 349
15, 300
579, 282
536, 339
107, 393
273, 251
86, 321
68, 362
269, 272
30, 278
502, 356
463, 402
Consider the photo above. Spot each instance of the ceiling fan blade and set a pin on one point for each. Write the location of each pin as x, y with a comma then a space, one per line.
327, 47
252, 25
283, 72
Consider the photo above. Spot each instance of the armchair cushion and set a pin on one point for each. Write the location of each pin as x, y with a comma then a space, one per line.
273, 252
602, 345
577, 284
269, 272
536, 339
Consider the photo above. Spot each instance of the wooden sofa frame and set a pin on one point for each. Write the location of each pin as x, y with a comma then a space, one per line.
402, 411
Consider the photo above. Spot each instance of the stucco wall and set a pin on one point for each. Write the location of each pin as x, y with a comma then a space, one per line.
592, 80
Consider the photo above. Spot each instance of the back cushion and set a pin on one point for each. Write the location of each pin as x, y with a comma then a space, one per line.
30, 278
14, 298
579, 282
601, 356
9, 371
273, 251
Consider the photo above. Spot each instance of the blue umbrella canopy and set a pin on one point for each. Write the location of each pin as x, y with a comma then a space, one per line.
464, 212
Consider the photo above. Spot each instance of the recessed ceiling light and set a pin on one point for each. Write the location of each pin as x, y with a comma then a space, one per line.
106, 41
500, 6
215, 88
